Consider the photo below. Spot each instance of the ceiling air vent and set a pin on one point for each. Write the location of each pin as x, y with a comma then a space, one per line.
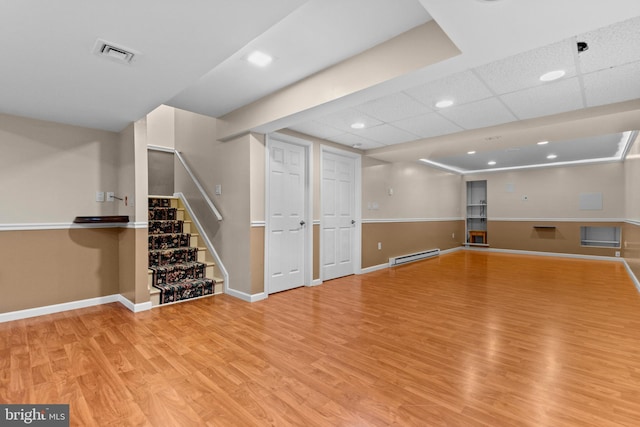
113, 52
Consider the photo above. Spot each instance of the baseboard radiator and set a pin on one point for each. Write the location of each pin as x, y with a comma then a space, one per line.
403, 259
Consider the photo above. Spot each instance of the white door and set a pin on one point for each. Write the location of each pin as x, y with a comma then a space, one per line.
338, 215
286, 216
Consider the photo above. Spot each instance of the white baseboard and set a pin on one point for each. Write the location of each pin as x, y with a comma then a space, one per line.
632, 275
374, 268
73, 305
136, 308
316, 282
245, 296
57, 308
548, 254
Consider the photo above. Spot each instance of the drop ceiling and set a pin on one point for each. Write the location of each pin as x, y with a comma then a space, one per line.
194, 58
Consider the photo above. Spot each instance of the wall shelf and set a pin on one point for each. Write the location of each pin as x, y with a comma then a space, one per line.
476, 215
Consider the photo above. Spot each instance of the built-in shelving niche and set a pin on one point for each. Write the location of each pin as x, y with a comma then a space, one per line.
604, 237
476, 219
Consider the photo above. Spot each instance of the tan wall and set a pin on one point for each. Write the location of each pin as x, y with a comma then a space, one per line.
50, 172
631, 247
46, 267
554, 192
401, 238
134, 261
257, 260
565, 238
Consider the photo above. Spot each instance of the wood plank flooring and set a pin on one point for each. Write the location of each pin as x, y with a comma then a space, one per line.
465, 339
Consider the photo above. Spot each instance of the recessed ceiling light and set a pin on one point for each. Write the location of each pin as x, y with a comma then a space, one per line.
357, 125
552, 75
260, 59
543, 142
356, 145
551, 156
444, 103
491, 163
471, 152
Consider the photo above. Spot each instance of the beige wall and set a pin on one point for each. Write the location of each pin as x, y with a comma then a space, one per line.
632, 182
418, 191
554, 192
50, 172
631, 230
226, 164
161, 127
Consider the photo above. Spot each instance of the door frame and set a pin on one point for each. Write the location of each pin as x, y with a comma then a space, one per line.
308, 214
357, 178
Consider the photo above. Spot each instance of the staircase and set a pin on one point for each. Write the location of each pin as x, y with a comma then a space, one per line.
178, 268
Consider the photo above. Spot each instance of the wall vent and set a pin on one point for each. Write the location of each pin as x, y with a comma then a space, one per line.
403, 259
113, 52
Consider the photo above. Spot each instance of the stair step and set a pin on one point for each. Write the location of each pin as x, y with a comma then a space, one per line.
186, 289
169, 241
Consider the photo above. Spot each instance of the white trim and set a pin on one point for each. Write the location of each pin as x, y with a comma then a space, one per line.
557, 219
207, 242
357, 176
136, 308
396, 220
258, 223
65, 306
316, 282
69, 226
308, 216
161, 148
632, 221
632, 275
316, 222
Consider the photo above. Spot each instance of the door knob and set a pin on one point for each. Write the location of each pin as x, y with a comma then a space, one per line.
353, 221
302, 223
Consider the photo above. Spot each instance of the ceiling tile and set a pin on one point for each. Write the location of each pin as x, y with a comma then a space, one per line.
613, 85
316, 129
552, 98
387, 134
462, 88
343, 120
393, 107
611, 46
356, 140
428, 125
524, 70
488, 112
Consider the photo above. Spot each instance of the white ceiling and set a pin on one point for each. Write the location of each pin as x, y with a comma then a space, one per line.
502, 91
193, 58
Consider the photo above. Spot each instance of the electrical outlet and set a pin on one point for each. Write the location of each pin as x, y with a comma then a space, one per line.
618, 253
379, 246
218, 189
99, 196
110, 195
453, 235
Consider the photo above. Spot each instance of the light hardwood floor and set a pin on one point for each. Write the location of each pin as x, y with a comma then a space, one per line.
464, 339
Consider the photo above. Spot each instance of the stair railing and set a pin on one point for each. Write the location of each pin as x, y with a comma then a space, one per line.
197, 183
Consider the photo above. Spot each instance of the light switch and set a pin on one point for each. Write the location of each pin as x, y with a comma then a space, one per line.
99, 196
218, 189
